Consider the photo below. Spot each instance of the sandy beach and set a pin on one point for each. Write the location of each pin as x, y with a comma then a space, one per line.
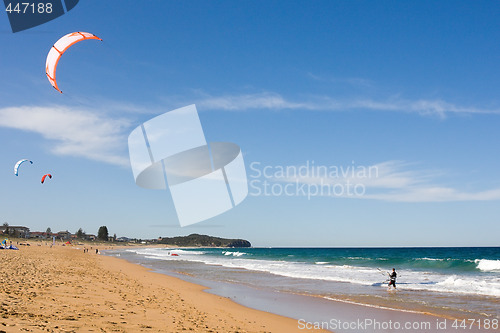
63, 289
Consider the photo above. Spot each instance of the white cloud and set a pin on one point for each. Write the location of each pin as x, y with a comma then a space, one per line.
435, 194
389, 181
266, 100
275, 101
433, 107
352, 81
396, 183
72, 131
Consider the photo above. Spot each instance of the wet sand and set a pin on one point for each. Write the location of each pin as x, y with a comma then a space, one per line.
63, 289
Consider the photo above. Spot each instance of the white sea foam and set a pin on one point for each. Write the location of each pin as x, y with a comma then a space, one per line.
370, 305
164, 253
484, 284
488, 265
431, 259
467, 285
234, 254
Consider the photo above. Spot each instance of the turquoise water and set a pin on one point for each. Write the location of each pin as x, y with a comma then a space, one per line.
463, 282
445, 260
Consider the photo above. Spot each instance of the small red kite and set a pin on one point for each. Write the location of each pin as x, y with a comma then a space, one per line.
43, 178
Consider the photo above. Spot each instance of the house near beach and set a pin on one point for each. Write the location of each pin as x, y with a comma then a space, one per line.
15, 231
40, 235
66, 235
90, 237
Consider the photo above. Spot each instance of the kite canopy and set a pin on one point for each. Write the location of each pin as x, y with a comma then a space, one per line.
59, 48
47, 175
16, 167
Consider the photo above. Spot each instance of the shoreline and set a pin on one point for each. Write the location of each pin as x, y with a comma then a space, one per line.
341, 309
62, 289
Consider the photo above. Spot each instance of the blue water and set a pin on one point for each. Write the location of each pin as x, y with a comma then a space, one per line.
444, 260
463, 282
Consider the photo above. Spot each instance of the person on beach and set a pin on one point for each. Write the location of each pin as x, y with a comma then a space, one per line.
392, 278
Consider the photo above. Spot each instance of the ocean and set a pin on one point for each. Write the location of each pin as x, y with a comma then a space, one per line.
453, 282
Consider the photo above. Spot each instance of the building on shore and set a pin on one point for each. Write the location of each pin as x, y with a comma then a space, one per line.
15, 231
65, 235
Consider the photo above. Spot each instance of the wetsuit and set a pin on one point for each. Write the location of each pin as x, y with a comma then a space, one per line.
393, 276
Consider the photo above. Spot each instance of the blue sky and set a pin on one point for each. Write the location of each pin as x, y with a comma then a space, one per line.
408, 88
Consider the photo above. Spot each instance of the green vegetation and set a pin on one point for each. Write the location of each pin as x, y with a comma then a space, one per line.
102, 234
80, 234
196, 240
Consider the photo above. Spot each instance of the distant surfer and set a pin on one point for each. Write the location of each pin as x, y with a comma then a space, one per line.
392, 278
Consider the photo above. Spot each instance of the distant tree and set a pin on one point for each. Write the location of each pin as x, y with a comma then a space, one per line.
48, 231
80, 233
114, 237
5, 224
102, 234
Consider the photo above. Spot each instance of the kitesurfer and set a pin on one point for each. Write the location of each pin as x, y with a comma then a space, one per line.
392, 278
